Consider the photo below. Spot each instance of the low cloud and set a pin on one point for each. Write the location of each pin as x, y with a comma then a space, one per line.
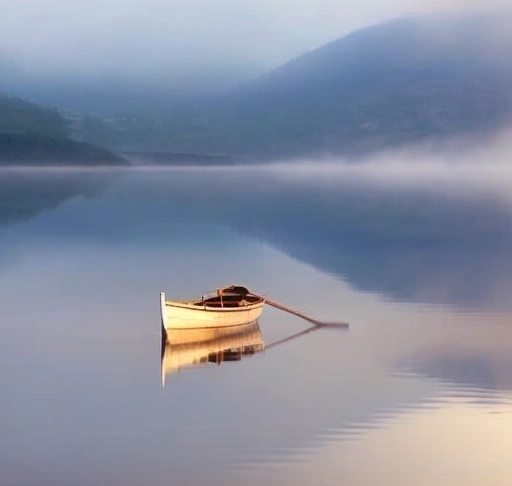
183, 39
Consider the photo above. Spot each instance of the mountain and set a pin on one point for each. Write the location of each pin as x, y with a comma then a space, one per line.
406, 81
33, 135
400, 82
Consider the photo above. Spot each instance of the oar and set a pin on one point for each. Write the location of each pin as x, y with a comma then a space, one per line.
316, 322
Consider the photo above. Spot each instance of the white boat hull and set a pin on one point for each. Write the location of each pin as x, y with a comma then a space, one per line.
181, 315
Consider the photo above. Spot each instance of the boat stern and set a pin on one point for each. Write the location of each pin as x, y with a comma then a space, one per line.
163, 310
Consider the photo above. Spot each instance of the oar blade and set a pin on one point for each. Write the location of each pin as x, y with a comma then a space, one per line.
333, 325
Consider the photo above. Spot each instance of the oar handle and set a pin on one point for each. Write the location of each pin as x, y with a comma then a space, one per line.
316, 322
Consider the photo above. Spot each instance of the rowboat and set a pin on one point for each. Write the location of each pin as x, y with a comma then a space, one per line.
194, 347
226, 307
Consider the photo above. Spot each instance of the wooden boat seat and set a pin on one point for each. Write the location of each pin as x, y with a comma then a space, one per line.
224, 304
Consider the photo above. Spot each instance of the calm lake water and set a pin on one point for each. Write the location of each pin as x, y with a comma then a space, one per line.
418, 391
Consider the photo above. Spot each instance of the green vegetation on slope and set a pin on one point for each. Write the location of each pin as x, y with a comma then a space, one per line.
18, 116
32, 149
32, 135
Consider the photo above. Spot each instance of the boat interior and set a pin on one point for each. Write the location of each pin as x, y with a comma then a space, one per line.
234, 296
229, 301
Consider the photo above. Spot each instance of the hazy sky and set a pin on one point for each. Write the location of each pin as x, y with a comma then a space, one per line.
184, 38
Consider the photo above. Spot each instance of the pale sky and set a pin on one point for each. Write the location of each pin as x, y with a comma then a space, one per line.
184, 38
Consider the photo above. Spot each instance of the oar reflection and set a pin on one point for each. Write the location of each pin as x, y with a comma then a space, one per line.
309, 330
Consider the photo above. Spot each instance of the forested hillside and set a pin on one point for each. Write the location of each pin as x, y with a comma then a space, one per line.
33, 135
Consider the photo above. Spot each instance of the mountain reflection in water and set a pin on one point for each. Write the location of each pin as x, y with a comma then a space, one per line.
27, 192
437, 244
424, 242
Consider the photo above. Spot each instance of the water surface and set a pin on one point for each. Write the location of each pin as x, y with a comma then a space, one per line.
417, 391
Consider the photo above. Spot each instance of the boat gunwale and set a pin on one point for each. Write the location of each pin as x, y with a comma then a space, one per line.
198, 305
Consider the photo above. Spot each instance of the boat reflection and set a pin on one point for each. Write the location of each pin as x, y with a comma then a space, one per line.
183, 348
188, 347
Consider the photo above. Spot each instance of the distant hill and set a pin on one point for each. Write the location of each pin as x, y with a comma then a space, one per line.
399, 82
406, 81
33, 135
389, 84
